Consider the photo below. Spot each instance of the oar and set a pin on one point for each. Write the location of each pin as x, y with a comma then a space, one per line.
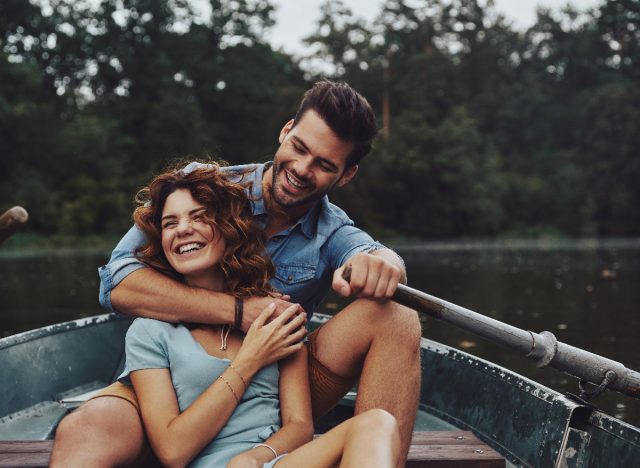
543, 348
11, 220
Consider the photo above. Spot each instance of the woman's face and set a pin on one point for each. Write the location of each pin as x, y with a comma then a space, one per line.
191, 245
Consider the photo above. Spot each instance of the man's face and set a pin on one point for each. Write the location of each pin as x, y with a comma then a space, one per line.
311, 160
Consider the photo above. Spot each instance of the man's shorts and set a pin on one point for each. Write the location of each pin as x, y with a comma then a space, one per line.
327, 388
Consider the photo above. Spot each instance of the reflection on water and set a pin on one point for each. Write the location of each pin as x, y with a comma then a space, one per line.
586, 296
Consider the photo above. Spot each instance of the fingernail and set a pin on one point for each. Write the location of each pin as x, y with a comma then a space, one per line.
272, 305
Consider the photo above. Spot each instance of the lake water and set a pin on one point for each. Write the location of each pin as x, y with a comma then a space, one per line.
586, 293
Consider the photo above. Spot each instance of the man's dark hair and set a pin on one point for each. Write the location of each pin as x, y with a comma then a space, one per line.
347, 114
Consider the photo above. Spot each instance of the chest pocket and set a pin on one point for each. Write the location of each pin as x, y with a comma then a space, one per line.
294, 279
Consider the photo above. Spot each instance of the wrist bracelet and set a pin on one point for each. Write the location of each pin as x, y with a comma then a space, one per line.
239, 312
238, 374
230, 388
275, 454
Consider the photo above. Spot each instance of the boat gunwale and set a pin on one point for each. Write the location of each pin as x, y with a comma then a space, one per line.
62, 327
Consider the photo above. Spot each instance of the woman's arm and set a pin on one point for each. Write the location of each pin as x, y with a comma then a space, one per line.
178, 437
295, 408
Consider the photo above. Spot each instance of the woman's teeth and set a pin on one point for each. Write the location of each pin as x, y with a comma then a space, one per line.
189, 247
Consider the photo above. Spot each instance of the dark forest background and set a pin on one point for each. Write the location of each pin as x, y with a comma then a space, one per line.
487, 130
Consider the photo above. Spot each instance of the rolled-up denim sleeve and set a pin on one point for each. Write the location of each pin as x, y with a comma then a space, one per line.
121, 264
347, 241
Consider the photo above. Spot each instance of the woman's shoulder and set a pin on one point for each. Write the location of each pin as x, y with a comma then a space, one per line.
152, 328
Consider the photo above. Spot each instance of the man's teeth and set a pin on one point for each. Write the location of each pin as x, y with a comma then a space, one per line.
294, 183
190, 247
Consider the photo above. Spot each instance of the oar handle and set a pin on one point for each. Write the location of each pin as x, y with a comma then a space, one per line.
11, 220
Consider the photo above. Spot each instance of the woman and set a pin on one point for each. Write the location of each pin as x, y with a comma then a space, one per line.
207, 391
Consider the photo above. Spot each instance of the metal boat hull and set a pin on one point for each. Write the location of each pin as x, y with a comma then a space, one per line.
42, 371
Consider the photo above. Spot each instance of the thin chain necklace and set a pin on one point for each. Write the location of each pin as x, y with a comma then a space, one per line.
223, 336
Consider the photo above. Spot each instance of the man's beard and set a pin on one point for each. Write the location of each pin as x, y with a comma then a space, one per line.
313, 196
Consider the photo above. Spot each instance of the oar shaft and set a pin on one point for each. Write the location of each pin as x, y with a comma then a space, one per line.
542, 347
11, 220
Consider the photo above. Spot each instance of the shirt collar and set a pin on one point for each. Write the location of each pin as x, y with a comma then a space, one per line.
259, 207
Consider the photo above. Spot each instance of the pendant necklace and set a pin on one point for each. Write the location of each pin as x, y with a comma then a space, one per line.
223, 336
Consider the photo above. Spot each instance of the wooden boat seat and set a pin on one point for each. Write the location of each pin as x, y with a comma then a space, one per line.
433, 449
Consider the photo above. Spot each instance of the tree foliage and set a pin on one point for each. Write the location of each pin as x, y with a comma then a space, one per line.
487, 130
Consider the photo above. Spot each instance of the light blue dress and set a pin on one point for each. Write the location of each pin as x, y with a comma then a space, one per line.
151, 344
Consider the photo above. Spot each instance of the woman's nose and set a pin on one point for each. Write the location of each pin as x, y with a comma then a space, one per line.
184, 226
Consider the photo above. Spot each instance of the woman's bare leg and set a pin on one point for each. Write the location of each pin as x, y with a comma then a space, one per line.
104, 432
369, 439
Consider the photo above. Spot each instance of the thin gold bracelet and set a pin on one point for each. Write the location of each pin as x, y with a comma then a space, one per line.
239, 375
230, 388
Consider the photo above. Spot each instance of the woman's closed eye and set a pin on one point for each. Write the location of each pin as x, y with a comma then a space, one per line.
169, 224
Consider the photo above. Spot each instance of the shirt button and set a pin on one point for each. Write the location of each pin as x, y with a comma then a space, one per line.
289, 278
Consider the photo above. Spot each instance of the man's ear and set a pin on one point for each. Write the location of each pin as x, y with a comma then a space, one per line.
286, 129
347, 176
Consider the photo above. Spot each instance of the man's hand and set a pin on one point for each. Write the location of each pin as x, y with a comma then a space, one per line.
372, 277
254, 306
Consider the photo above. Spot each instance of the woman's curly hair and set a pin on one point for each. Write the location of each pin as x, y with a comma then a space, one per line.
245, 264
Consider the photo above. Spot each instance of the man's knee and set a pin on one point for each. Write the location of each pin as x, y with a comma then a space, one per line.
394, 320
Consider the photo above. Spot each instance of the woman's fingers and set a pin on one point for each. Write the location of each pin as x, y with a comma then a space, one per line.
294, 323
295, 337
286, 315
265, 315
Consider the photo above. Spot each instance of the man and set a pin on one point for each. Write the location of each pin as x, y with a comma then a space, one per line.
311, 243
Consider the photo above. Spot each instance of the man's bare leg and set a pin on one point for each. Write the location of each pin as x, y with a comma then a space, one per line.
104, 432
381, 342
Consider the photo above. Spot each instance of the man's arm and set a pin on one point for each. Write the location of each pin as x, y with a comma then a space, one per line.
132, 288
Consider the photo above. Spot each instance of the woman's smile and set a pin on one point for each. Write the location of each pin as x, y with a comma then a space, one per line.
189, 241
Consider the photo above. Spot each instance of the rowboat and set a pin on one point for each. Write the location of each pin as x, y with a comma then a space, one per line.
46, 373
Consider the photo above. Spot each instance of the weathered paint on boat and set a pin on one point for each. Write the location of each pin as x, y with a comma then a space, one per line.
42, 370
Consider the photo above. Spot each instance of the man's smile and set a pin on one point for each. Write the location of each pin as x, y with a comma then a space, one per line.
295, 183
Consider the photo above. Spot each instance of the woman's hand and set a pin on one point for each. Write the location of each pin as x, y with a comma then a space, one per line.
266, 343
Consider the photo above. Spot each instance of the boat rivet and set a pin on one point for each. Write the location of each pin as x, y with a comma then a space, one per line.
479, 451
460, 438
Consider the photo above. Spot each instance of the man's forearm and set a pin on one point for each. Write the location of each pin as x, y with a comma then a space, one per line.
149, 293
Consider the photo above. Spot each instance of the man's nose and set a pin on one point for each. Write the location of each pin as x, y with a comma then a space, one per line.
303, 167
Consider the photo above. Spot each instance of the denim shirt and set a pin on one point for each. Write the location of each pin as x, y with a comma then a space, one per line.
305, 255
